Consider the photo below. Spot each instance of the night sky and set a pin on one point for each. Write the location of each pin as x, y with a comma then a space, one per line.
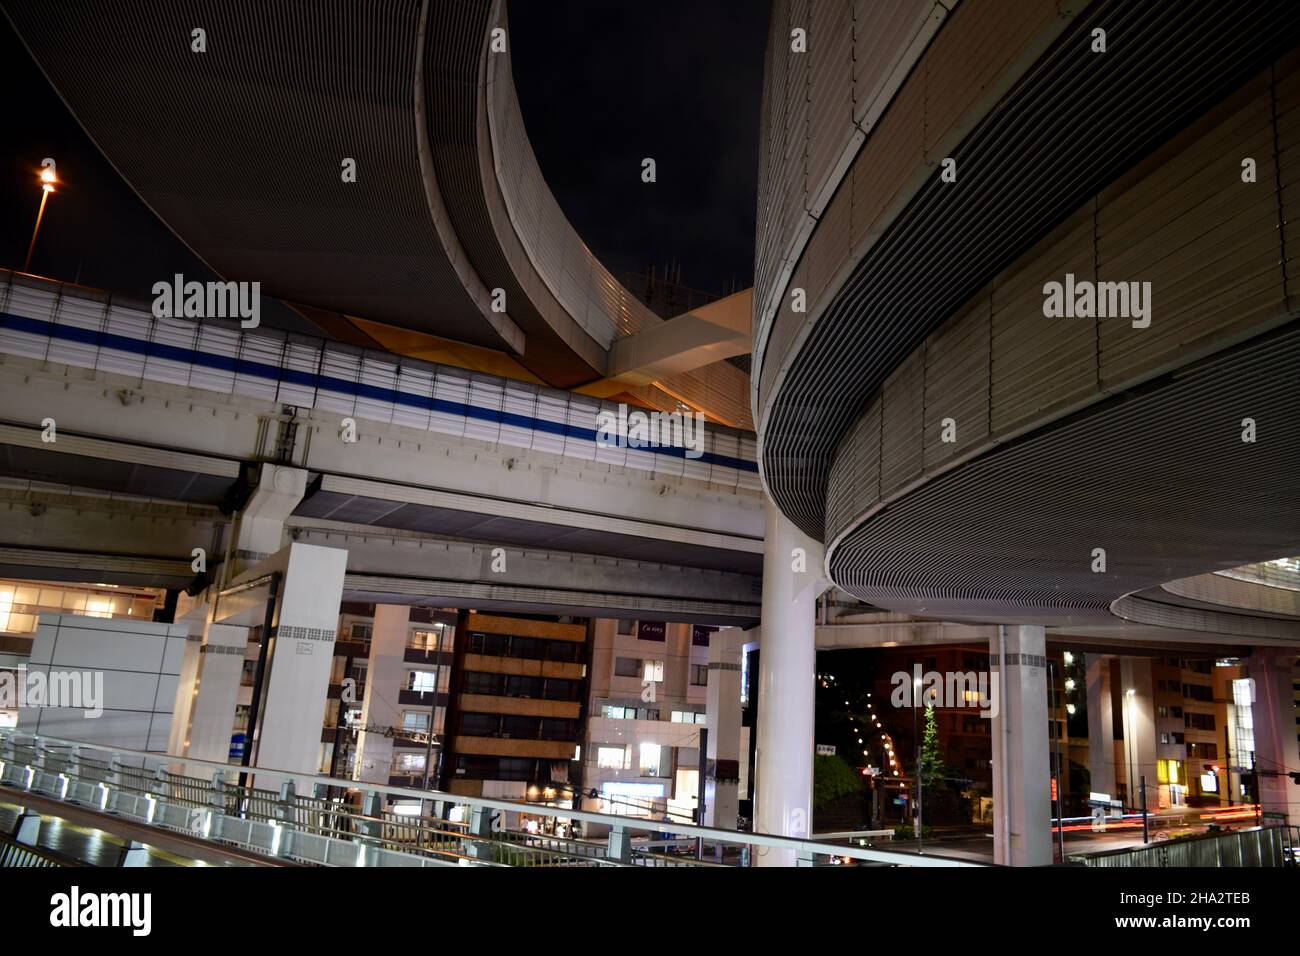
601, 84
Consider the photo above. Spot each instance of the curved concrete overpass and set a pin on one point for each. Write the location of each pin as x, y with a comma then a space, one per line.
963, 455
447, 227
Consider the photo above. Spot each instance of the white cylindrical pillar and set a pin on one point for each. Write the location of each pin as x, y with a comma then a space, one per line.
1273, 714
792, 567
1139, 716
1022, 813
1101, 725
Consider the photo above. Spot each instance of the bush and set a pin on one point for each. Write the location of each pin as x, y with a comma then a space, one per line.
832, 778
904, 831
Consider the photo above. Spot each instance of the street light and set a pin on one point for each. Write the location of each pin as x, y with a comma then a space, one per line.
48, 180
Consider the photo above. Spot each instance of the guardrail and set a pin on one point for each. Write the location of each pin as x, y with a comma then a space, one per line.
1256, 846
326, 830
72, 325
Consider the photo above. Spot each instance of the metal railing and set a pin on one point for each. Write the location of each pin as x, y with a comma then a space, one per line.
1256, 846
72, 325
302, 823
13, 854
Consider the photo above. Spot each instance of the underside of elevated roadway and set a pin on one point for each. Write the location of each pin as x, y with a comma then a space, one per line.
1180, 491
142, 473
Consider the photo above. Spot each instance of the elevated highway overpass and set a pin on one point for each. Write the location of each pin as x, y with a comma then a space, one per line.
172, 419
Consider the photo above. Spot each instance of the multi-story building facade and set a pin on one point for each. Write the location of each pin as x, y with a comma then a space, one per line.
649, 688
518, 707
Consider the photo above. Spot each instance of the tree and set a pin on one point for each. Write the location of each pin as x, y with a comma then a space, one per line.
933, 769
832, 779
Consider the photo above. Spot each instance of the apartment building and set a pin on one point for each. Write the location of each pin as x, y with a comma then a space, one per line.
518, 707
649, 689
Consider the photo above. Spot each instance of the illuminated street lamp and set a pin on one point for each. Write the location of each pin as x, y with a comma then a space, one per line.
48, 180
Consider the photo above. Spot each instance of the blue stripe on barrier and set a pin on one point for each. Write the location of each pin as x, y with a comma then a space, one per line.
275, 373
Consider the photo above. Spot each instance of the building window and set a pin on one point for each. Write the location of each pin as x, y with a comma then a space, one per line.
611, 758
480, 725
422, 681
626, 628
689, 717
652, 670
430, 640
616, 713
699, 675
626, 667
407, 764
650, 756
415, 722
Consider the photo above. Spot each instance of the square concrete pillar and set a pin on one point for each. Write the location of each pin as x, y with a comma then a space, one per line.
212, 713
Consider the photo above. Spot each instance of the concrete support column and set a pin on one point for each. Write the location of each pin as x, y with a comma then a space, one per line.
380, 707
1274, 717
259, 526
792, 568
194, 612
1137, 698
300, 657
1101, 725
1022, 796
187, 689
721, 788
212, 712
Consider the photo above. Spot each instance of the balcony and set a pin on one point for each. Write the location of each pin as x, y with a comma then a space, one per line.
423, 654
422, 698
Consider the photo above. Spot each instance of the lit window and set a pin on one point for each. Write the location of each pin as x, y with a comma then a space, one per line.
408, 763
652, 670
611, 758
650, 755
422, 681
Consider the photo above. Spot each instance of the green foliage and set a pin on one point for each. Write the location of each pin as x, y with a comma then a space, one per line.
905, 831
933, 769
833, 778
